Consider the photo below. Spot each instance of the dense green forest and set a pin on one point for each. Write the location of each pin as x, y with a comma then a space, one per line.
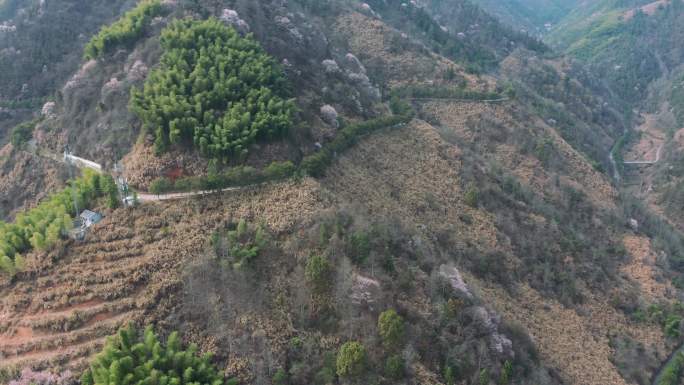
125, 31
214, 89
623, 44
44, 225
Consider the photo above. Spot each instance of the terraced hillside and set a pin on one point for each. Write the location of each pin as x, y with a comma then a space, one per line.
59, 316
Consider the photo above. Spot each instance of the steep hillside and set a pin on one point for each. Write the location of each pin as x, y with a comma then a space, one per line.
536, 16
41, 44
630, 44
438, 209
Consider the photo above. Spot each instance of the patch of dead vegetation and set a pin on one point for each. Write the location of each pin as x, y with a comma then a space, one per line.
57, 314
374, 41
413, 174
642, 269
457, 118
575, 342
25, 179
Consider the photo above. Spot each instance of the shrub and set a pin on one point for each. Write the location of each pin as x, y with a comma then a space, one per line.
391, 329
280, 378
484, 377
21, 134
110, 190
125, 31
672, 324
279, 170
214, 89
160, 185
449, 375
318, 273
471, 196
506, 373
395, 367
131, 358
359, 247
241, 245
352, 359
672, 371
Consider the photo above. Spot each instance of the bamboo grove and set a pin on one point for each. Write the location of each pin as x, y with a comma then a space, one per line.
213, 89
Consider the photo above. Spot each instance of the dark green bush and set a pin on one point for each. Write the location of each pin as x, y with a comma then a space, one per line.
214, 89
280, 378
471, 196
279, 170
672, 373
395, 367
21, 134
359, 247
161, 185
125, 32
318, 273
131, 358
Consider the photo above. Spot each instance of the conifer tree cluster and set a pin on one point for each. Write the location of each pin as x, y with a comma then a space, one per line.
133, 358
214, 89
42, 226
125, 31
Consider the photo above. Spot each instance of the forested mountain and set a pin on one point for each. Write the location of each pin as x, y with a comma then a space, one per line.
337, 192
535, 16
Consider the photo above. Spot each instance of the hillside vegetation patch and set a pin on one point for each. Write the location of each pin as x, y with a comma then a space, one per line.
125, 31
214, 90
131, 358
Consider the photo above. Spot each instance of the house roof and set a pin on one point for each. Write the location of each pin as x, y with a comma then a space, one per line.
91, 216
